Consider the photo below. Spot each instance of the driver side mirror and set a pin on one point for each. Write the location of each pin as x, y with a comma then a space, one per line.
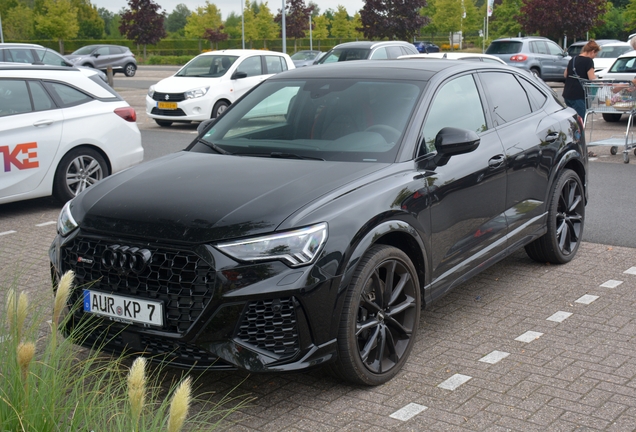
204, 125
451, 141
239, 75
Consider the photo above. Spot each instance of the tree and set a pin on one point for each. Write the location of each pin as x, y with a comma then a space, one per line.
296, 20
320, 30
340, 26
251, 32
398, 19
215, 36
448, 16
91, 25
58, 21
18, 23
106, 16
504, 19
233, 25
205, 17
142, 23
356, 23
555, 18
176, 20
614, 27
266, 28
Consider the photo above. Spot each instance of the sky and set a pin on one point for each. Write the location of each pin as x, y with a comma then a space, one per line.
228, 6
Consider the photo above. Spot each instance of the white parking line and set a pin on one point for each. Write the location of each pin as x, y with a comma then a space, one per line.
560, 316
408, 412
7, 232
611, 284
529, 336
631, 271
586, 299
455, 381
494, 357
46, 223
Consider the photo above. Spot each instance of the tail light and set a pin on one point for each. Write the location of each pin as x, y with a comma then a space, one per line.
127, 113
519, 58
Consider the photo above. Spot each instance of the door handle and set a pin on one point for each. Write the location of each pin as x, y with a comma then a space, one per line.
43, 123
496, 161
552, 137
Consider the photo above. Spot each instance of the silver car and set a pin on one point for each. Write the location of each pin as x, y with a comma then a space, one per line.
120, 58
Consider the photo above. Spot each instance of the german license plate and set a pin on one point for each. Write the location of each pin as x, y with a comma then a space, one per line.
167, 105
124, 309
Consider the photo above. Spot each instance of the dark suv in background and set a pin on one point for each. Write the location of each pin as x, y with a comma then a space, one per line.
538, 55
101, 56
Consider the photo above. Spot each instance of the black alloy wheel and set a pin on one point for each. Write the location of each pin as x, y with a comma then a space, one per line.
566, 220
380, 317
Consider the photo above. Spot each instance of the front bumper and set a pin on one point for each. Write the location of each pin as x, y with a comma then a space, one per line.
197, 109
218, 313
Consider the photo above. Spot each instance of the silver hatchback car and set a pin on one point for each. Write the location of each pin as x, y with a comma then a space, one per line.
120, 58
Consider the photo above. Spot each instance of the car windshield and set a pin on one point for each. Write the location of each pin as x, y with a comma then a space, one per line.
305, 55
504, 47
84, 50
212, 66
345, 54
575, 50
613, 51
317, 119
624, 65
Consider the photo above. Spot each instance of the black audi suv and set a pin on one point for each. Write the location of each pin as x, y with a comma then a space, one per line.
311, 222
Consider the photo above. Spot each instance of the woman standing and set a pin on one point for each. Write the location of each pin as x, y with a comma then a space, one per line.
579, 67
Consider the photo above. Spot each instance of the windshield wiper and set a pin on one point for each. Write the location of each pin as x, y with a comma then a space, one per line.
293, 156
213, 146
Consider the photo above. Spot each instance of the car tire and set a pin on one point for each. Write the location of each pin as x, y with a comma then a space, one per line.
130, 69
79, 169
219, 108
612, 118
566, 220
536, 72
378, 327
163, 123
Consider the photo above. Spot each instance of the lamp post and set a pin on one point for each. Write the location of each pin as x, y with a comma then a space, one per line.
242, 24
311, 44
284, 30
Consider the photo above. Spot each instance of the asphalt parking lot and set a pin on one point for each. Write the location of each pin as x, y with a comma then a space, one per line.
521, 347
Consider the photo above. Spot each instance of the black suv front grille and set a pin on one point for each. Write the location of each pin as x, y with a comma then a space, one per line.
182, 280
270, 325
172, 97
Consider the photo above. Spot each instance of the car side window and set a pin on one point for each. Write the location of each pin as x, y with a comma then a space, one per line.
394, 51
14, 97
67, 96
251, 66
379, 54
275, 64
509, 100
456, 104
50, 58
115, 50
554, 48
20, 55
539, 47
102, 51
41, 100
537, 97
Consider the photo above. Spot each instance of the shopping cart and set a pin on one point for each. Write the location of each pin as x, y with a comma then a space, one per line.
611, 98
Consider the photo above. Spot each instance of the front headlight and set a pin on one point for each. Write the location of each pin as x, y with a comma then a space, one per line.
65, 222
196, 93
151, 90
295, 248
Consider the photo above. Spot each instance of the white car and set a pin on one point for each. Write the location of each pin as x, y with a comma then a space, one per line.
210, 82
609, 53
486, 58
61, 131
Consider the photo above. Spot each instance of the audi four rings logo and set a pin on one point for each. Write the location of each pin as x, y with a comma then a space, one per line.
126, 259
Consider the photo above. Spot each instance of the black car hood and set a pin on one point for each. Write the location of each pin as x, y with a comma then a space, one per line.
195, 197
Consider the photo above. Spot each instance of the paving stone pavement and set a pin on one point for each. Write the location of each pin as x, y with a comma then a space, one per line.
467, 372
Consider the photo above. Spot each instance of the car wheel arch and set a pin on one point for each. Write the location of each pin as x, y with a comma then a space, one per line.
397, 233
92, 147
570, 160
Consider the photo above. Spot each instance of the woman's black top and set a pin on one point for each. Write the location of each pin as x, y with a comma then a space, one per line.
578, 66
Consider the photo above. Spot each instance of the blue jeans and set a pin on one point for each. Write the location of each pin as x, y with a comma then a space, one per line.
578, 105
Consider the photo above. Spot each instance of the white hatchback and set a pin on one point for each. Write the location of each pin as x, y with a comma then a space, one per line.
210, 82
61, 131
